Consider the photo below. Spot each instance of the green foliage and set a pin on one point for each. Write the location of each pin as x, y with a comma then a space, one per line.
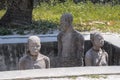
72, 77
83, 14
2, 12
97, 76
87, 16
36, 27
43, 27
4, 31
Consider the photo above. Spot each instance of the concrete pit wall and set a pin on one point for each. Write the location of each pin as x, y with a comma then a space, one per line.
11, 53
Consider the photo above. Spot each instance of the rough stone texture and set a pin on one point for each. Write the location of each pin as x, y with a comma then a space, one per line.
110, 49
96, 56
70, 43
2, 63
12, 48
13, 52
34, 59
61, 73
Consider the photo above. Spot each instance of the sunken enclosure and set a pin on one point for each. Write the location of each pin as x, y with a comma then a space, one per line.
12, 48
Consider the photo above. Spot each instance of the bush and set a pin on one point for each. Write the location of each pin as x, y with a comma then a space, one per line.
4, 31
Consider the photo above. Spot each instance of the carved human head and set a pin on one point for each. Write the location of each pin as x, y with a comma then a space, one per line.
97, 39
66, 21
34, 45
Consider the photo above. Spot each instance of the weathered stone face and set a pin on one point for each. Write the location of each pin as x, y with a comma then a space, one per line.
66, 21
34, 45
97, 40
70, 43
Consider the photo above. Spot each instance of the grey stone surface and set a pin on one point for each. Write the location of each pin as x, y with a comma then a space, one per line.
111, 38
14, 47
70, 43
93, 77
23, 39
96, 56
59, 72
34, 59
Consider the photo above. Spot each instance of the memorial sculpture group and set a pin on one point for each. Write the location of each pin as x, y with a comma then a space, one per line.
70, 49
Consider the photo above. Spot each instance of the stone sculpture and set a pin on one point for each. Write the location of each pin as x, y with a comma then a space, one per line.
34, 59
70, 43
96, 56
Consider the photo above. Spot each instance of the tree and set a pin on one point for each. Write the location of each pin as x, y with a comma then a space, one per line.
2, 4
19, 12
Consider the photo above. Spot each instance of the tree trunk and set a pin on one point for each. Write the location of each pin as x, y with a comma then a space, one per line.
19, 12
2, 4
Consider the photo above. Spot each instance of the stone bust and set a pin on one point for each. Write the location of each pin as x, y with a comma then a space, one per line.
96, 56
70, 43
34, 59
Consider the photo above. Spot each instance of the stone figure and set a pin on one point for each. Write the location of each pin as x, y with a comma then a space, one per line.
70, 43
96, 56
34, 59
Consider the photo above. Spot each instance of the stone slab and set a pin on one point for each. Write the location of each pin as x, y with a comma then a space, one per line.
23, 39
111, 38
59, 72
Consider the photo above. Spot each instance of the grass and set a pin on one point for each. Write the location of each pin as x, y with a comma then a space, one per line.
84, 15
87, 16
96, 76
2, 12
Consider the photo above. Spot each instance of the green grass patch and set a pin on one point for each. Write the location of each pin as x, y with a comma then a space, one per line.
107, 16
4, 31
2, 12
96, 76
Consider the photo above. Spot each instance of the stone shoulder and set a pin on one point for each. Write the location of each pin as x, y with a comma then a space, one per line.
60, 35
105, 53
78, 34
45, 57
75, 33
89, 53
23, 59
